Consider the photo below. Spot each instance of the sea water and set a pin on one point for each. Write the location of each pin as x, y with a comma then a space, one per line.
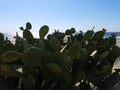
107, 34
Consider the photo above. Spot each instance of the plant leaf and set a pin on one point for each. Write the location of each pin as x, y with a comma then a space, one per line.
33, 57
72, 30
21, 28
28, 26
54, 67
10, 56
7, 70
112, 41
89, 34
67, 32
1, 40
117, 64
8, 47
80, 76
43, 31
28, 36
103, 55
28, 81
55, 44
75, 49
99, 35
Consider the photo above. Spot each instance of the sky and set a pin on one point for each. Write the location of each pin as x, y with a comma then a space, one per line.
60, 14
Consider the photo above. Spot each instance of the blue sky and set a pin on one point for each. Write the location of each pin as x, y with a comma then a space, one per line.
60, 14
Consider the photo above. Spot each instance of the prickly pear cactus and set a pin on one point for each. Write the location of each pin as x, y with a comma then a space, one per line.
1, 40
43, 31
27, 34
67, 60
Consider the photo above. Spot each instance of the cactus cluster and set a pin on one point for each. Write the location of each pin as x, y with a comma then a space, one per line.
59, 61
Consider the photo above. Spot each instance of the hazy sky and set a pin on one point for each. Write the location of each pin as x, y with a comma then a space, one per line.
60, 14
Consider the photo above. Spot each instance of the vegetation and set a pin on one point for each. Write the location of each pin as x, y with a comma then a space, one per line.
59, 61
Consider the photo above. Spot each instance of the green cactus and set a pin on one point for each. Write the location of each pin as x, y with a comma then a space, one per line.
79, 76
20, 44
81, 62
28, 36
44, 44
54, 68
21, 28
55, 44
89, 34
99, 35
10, 56
28, 26
7, 70
43, 31
75, 50
1, 40
28, 82
72, 30
8, 46
112, 41
67, 32
58, 59
32, 57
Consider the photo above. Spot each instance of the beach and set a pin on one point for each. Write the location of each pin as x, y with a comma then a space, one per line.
118, 43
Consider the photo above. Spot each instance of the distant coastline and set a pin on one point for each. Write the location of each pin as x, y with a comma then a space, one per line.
10, 36
36, 34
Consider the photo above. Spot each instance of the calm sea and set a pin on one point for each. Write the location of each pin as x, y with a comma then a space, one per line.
107, 34
10, 36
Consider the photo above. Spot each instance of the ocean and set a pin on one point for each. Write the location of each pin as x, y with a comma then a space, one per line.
107, 34
10, 36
